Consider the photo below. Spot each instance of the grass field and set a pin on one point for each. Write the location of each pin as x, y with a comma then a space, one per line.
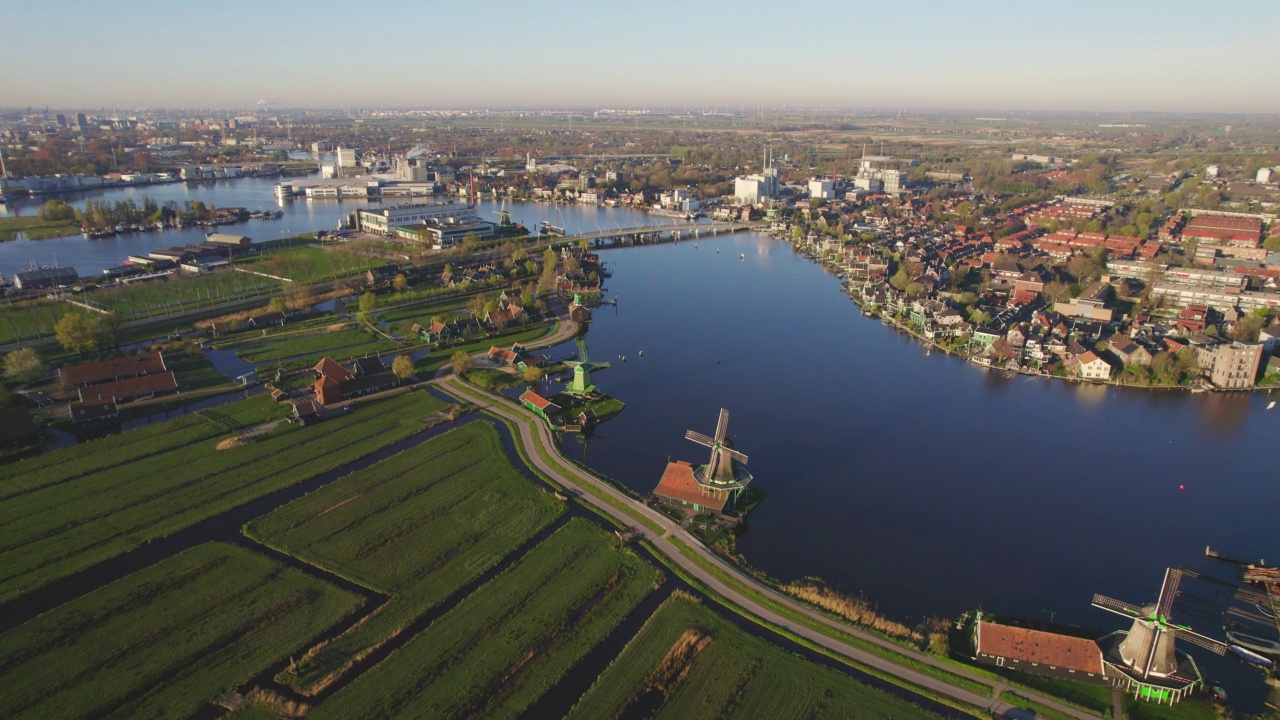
166, 640
176, 293
417, 526
30, 319
502, 647
688, 662
35, 228
311, 264
113, 495
344, 342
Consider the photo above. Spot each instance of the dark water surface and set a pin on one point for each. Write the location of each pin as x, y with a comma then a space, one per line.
924, 482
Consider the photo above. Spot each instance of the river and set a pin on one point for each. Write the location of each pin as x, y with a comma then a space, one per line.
89, 257
927, 484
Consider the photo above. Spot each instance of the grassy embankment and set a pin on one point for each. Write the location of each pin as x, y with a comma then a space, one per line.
35, 228
166, 640
416, 526
502, 647
68, 510
688, 662
758, 596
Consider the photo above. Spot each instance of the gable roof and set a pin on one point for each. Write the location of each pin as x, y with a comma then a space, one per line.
329, 368
1037, 646
106, 370
678, 483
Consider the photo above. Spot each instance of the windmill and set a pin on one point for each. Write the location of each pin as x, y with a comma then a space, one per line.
1147, 651
581, 383
723, 473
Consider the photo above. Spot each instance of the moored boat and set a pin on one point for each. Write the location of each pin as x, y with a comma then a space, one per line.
1252, 642
1250, 656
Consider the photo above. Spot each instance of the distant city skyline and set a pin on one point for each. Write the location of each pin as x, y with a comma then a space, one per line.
1110, 57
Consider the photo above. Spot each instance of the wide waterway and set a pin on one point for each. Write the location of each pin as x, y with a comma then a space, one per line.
89, 257
925, 483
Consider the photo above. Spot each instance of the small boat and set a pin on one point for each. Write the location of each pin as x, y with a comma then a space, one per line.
742, 256
1271, 404
640, 354
1250, 656
1252, 642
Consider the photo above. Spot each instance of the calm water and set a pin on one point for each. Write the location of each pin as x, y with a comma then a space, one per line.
927, 484
300, 216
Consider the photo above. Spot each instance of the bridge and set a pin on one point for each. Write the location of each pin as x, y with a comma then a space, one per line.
652, 234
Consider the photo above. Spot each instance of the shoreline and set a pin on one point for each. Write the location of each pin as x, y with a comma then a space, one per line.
892, 322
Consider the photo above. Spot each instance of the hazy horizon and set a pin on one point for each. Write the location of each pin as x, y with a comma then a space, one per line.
1136, 57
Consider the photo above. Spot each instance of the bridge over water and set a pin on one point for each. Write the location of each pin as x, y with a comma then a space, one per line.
650, 234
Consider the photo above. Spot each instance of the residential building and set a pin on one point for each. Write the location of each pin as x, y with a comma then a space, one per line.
1235, 365
113, 370
1092, 367
1090, 304
336, 383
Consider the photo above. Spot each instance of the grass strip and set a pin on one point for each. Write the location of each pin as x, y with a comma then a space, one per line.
418, 526
502, 647
167, 640
689, 662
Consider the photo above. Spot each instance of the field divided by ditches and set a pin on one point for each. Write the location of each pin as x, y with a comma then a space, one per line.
417, 526
503, 646
73, 515
689, 662
167, 640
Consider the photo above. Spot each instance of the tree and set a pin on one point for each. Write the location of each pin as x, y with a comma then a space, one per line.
107, 329
979, 317
23, 366
461, 362
1084, 269
1247, 328
900, 279
297, 295
402, 366
533, 374
76, 334
368, 302
276, 304
400, 282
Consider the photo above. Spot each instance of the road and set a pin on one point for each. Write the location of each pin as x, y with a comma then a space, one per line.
574, 479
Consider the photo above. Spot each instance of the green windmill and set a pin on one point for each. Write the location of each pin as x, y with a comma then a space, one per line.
582, 367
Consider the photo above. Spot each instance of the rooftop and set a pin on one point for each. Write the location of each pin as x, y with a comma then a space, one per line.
678, 483
1037, 646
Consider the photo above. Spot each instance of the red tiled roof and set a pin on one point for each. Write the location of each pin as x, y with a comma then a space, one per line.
537, 401
678, 484
330, 368
126, 390
108, 370
1046, 648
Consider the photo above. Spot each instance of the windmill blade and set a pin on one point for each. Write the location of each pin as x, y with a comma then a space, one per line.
1118, 607
1151, 654
722, 425
1208, 643
1168, 593
699, 438
735, 455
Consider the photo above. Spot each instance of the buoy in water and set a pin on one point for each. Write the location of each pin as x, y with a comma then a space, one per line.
1182, 487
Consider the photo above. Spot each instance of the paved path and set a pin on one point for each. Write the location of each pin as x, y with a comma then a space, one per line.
573, 478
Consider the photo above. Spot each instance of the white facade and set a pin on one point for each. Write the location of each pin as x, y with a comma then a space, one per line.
823, 189
384, 220
346, 157
751, 189
1264, 175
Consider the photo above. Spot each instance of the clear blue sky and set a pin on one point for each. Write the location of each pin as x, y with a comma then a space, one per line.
1030, 54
